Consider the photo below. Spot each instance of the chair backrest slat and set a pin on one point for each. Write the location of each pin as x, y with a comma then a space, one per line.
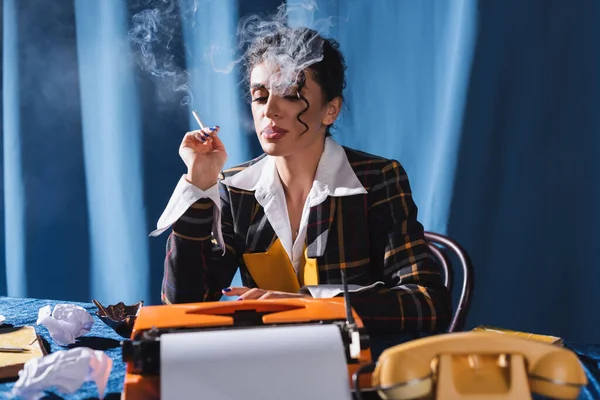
464, 304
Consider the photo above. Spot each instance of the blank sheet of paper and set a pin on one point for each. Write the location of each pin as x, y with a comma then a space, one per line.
291, 363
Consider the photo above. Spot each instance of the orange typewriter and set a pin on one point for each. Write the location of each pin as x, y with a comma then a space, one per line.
142, 352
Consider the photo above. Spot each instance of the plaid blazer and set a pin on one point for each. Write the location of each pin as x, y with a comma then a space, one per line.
373, 236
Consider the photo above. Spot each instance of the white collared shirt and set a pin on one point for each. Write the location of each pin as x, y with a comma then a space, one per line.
334, 177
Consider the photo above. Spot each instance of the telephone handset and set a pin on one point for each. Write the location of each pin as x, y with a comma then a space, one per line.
477, 365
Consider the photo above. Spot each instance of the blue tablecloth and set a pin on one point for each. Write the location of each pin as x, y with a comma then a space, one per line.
19, 312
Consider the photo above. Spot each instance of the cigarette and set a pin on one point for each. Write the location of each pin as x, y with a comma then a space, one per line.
197, 118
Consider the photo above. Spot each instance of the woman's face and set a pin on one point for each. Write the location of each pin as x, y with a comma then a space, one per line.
275, 116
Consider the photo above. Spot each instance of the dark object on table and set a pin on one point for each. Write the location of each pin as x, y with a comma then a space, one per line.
119, 317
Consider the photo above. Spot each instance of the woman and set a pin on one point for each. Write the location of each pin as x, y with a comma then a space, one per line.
292, 218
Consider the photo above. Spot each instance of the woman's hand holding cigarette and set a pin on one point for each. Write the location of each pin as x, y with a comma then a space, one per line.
204, 155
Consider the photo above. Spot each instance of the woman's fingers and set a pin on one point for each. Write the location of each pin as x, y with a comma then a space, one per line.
235, 291
275, 295
259, 294
244, 293
206, 135
200, 137
217, 143
252, 294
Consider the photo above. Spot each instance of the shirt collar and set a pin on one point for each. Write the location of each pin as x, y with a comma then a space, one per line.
335, 176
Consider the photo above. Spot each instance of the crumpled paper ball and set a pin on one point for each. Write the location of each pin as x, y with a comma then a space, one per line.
66, 323
64, 371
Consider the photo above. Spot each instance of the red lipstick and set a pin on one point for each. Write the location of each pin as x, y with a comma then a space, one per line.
273, 132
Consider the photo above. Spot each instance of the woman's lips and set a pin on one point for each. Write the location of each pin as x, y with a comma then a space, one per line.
273, 132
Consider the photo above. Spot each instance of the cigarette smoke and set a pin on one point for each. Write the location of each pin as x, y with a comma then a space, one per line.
155, 29
156, 32
287, 56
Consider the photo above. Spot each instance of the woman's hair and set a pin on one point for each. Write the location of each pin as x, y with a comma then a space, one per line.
293, 50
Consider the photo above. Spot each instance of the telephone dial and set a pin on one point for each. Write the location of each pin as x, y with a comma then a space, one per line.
474, 365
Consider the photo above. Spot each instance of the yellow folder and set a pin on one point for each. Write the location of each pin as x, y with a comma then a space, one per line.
273, 270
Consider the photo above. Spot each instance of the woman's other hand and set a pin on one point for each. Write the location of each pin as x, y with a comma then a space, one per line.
260, 294
204, 156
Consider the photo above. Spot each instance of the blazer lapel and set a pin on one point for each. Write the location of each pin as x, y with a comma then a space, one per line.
260, 233
320, 220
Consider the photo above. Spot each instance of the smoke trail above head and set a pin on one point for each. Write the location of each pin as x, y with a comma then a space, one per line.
156, 31
287, 51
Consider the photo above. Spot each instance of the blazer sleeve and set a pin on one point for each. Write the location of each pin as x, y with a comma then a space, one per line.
196, 267
413, 298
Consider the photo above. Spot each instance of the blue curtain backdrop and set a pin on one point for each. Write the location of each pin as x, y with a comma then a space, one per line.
490, 106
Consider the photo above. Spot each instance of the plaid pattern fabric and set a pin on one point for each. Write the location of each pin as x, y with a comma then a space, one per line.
374, 237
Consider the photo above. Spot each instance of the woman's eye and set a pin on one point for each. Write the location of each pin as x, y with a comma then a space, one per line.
260, 99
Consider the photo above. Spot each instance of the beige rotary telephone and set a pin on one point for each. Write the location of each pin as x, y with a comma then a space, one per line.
477, 365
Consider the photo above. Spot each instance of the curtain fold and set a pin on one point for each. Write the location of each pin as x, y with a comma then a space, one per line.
45, 212
526, 193
112, 153
213, 64
407, 80
13, 185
